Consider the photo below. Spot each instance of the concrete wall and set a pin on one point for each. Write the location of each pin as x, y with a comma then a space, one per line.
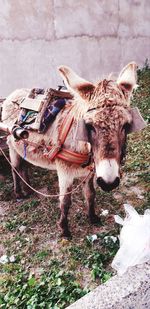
93, 37
129, 291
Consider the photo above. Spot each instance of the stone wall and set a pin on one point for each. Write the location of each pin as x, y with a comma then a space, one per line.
129, 291
93, 37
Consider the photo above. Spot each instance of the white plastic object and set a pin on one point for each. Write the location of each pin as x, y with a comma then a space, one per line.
134, 240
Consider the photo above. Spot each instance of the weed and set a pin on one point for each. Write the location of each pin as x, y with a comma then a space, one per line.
42, 255
6, 190
55, 289
30, 205
141, 98
11, 225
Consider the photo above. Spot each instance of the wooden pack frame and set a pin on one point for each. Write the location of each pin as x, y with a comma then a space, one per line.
39, 102
35, 101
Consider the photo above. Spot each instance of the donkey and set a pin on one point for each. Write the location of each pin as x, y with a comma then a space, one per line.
102, 118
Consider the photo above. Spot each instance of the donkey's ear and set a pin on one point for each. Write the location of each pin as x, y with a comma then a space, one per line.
127, 78
74, 83
138, 123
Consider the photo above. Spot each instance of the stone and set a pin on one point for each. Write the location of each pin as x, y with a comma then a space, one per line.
131, 290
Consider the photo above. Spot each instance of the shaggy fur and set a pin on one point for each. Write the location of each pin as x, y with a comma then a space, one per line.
106, 112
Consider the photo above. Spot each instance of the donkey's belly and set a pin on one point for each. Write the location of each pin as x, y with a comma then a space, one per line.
30, 154
38, 159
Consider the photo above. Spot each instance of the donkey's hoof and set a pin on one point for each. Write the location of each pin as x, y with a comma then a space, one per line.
27, 195
19, 197
95, 220
19, 200
28, 192
66, 234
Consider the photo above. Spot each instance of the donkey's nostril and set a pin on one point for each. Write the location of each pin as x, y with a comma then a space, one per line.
116, 182
100, 181
108, 186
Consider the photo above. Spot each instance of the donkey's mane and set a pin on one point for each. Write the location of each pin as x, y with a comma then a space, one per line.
107, 93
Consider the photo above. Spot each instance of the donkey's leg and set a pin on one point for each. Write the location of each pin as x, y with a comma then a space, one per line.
65, 186
24, 173
89, 193
16, 162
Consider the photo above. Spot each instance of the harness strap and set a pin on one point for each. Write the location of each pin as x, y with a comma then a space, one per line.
63, 132
66, 155
62, 153
58, 151
65, 127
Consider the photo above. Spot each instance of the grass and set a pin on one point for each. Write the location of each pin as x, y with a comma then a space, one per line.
55, 289
49, 272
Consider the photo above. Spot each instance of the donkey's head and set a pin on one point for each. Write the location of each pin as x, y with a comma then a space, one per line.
105, 119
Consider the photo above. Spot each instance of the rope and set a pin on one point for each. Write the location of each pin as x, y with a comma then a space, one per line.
38, 192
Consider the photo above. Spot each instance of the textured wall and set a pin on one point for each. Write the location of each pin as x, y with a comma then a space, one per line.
93, 37
129, 291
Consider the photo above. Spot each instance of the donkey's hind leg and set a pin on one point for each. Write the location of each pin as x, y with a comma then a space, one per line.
90, 193
18, 164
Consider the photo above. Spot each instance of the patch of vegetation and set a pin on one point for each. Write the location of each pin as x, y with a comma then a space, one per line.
145, 204
138, 151
96, 254
141, 98
54, 289
11, 225
41, 255
6, 188
58, 286
139, 146
29, 205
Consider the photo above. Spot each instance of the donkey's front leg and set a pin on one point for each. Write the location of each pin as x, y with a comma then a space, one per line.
65, 186
89, 193
15, 162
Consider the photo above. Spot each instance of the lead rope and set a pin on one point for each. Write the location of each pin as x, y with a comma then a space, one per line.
38, 192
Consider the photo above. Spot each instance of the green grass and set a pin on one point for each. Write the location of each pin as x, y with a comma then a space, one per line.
141, 98
54, 289
59, 285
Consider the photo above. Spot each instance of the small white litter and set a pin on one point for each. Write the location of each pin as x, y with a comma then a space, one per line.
104, 212
92, 238
4, 259
22, 228
12, 259
134, 240
113, 238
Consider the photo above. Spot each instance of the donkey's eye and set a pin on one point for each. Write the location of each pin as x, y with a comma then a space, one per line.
126, 127
90, 127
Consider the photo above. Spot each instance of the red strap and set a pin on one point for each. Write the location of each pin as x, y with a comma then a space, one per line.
65, 127
63, 132
66, 155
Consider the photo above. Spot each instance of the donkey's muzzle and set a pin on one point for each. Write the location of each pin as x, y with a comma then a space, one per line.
108, 186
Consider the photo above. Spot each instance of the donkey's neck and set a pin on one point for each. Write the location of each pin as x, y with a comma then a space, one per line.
79, 108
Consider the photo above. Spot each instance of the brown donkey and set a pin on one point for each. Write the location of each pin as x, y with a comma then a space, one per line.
102, 117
